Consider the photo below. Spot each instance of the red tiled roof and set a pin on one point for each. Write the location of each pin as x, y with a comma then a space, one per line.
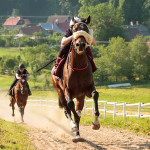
63, 26
27, 21
11, 21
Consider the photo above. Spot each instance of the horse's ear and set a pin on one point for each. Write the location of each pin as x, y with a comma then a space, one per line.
72, 22
87, 20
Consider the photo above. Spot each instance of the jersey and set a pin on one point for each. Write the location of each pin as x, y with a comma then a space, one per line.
24, 72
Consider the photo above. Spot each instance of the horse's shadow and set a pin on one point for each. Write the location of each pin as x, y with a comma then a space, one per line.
95, 146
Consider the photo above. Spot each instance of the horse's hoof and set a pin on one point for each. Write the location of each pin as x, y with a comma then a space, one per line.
78, 139
13, 115
95, 126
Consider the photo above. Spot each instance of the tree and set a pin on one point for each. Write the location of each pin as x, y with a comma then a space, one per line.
133, 11
107, 20
15, 12
139, 58
118, 62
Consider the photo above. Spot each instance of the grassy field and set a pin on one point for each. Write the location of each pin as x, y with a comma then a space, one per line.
139, 126
13, 136
134, 94
13, 51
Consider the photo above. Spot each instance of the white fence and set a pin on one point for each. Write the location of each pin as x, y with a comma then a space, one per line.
116, 105
89, 105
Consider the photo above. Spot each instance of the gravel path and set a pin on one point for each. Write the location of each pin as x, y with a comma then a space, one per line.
49, 130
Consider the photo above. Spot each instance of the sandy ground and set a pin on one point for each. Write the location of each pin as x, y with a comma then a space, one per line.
49, 130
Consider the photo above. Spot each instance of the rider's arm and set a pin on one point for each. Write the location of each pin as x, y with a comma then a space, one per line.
27, 76
66, 40
17, 76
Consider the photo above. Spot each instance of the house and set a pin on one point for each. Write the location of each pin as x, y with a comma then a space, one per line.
49, 28
58, 18
133, 30
15, 22
63, 26
30, 30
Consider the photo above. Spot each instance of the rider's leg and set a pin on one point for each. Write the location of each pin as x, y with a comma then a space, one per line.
29, 91
90, 55
13, 84
63, 51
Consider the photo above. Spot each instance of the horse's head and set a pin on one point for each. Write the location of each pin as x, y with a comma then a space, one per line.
82, 25
23, 84
81, 36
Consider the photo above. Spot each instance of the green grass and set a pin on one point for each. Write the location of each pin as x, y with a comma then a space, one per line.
13, 136
140, 126
13, 51
134, 94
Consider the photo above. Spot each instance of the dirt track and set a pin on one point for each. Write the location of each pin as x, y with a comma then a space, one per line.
49, 130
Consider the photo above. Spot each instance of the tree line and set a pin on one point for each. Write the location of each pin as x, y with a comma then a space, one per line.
117, 61
131, 10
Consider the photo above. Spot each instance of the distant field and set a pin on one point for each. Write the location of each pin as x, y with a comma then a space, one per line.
134, 94
14, 51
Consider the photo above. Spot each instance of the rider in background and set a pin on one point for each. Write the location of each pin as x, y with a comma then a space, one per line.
66, 43
21, 71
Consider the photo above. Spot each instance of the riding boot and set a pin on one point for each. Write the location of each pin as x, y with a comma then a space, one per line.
62, 53
90, 57
29, 91
54, 70
11, 87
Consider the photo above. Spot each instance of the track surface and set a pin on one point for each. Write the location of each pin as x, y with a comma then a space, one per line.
49, 130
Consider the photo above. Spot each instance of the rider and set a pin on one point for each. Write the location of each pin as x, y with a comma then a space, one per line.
19, 72
66, 43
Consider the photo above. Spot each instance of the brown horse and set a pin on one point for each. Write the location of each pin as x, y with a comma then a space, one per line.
77, 81
20, 96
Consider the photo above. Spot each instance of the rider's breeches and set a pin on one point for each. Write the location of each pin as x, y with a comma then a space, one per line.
28, 86
64, 51
13, 84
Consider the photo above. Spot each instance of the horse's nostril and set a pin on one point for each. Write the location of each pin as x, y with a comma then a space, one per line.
77, 44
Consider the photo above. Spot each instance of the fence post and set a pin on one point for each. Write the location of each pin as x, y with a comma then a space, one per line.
124, 110
84, 106
47, 102
114, 115
93, 108
139, 110
105, 109
40, 101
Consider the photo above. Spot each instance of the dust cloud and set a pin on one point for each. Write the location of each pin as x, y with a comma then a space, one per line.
46, 118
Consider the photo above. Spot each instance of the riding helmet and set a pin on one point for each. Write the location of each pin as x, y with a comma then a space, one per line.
21, 66
76, 19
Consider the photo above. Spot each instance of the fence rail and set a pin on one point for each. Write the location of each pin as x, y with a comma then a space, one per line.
89, 105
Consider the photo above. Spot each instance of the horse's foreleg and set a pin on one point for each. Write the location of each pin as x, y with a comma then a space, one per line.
96, 123
12, 100
21, 112
71, 106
